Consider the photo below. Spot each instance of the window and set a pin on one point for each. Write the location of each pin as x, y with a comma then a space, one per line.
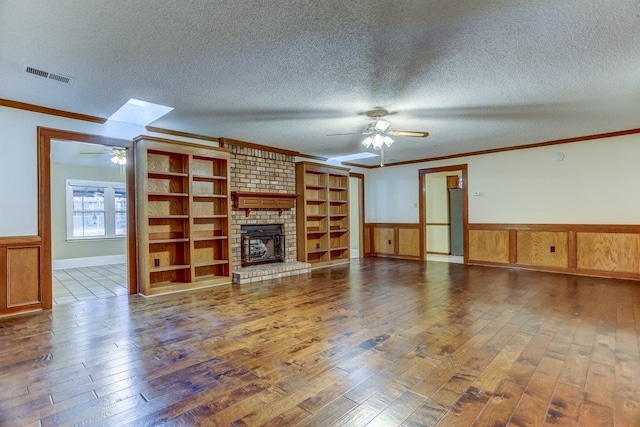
96, 210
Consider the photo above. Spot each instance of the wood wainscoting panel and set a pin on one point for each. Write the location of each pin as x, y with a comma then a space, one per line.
397, 240
367, 239
23, 276
535, 248
384, 240
489, 245
619, 252
601, 250
409, 242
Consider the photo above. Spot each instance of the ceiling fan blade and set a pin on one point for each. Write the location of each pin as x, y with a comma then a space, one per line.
409, 133
352, 133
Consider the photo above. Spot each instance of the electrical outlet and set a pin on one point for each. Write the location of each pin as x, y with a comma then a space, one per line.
317, 245
552, 248
389, 241
156, 262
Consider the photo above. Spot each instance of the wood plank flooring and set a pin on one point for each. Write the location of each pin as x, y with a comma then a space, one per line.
379, 343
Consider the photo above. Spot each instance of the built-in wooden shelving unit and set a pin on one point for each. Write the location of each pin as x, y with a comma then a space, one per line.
183, 215
322, 214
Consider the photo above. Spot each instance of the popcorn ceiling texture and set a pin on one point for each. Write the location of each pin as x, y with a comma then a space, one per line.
260, 171
476, 75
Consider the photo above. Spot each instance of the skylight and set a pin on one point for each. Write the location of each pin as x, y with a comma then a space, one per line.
139, 112
348, 157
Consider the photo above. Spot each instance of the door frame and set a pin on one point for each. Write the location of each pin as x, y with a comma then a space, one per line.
360, 178
422, 198
45, 135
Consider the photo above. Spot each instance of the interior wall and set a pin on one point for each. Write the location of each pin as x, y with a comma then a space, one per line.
19, 171
60, 247
594, 184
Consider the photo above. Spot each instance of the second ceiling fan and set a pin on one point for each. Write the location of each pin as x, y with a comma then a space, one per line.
379, 133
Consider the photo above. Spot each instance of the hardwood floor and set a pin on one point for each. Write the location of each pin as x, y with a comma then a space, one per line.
378, 343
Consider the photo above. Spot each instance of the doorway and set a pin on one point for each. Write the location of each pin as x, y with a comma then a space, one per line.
88, 217
86, 220
443, 213
356, 215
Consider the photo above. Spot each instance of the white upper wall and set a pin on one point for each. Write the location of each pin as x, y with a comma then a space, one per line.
594, 184
19, 164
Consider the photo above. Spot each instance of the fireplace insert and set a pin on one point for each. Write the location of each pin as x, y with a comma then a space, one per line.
261, 243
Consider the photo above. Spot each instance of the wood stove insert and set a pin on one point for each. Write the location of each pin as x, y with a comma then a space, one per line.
261, 244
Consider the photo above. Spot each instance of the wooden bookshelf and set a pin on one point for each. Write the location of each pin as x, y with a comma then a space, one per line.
322, 214
183, 214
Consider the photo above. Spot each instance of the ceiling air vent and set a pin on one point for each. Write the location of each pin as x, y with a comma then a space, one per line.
48, 75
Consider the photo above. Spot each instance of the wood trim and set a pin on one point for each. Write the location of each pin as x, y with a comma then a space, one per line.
45, 135
229, 141
311, 156
180, 143
50, 111
360, 178
44, 213
65, 135
356, 165
324, 168
181, 134
422, 197
422, 214
513, 246
394, 256
576, 272
409, 225
132, 231
500, 150
239, 194
22, 309
572, 249
585, 228
438, 223
263, 201
20, 241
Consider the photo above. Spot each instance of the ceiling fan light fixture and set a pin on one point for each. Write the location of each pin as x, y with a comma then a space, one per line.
381, 125
377, 142
118, 161
119, 157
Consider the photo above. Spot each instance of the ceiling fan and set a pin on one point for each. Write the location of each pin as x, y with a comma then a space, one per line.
119, 155
380, 134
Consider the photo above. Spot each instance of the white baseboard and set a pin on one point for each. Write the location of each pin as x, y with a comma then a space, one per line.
59, 264
354, 253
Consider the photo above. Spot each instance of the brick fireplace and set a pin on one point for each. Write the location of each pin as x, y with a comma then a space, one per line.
259, 171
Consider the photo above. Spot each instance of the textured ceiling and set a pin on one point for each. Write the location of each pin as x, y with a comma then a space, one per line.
475, 74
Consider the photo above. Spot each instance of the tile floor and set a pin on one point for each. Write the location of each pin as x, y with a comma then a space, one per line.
445, 258
89, 283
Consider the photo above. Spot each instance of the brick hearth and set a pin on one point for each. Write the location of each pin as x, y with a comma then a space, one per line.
257, 273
